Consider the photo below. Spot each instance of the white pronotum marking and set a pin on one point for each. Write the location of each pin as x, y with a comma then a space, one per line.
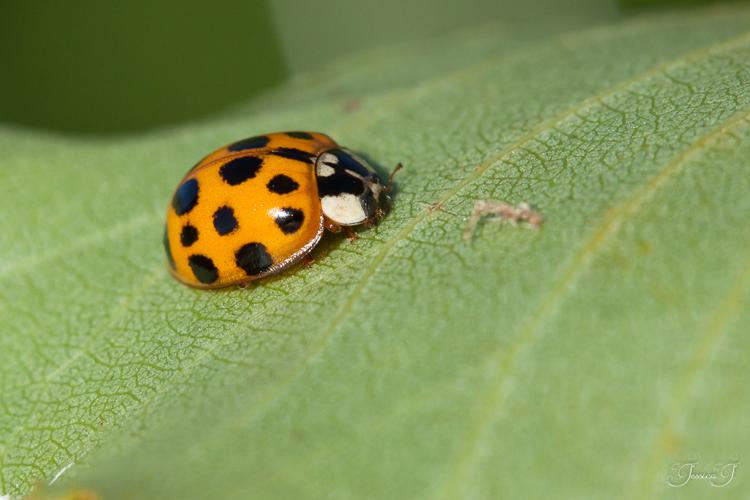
329, 158
343, 209
323, 167
325, 170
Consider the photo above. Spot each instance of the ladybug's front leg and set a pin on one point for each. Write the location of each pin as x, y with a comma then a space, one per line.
351, 234
331, 226
308, 260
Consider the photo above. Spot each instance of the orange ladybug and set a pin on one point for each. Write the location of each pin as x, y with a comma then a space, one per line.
257, 206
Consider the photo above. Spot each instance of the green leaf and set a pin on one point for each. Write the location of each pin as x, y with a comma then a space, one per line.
582, 360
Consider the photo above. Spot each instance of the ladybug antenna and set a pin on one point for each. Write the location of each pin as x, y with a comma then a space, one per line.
389, 184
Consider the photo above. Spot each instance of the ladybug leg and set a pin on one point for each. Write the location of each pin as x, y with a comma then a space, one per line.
308, 260
375, 219
351, 234
331, 226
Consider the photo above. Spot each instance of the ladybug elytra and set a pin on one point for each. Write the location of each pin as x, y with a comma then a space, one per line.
257, 206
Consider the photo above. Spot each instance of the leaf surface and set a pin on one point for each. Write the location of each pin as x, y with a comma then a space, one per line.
583, 359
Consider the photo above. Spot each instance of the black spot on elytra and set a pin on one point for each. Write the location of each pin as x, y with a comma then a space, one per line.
186, 197
224, 220
167, 250
300, 135
253, 258
203, 268
289, 220
188, 235
238, 170
282, 184
294, 154
259, 141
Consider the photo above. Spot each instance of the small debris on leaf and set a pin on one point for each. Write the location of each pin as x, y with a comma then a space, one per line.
505, 212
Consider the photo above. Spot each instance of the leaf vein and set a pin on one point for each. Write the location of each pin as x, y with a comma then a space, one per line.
338, 319
613, 220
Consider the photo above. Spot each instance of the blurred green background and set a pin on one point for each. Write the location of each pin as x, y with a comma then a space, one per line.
103, 67
91, 66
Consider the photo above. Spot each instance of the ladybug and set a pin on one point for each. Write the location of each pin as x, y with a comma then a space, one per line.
257, 206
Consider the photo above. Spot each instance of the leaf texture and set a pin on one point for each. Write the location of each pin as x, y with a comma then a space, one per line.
582, 360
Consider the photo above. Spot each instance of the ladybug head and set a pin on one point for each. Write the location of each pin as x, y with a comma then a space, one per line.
350, 190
